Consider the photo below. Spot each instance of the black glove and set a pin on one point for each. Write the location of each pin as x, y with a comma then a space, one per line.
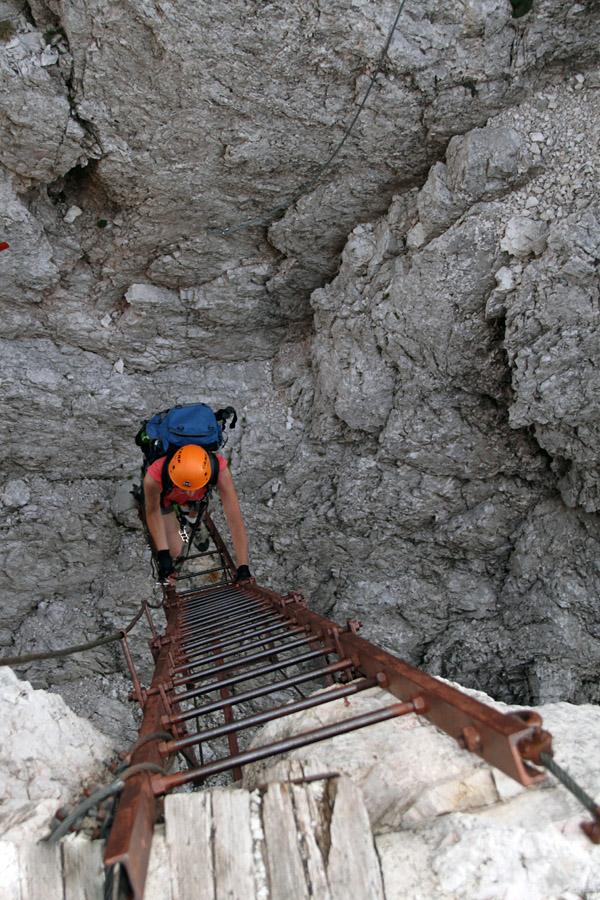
243, 573
164, 564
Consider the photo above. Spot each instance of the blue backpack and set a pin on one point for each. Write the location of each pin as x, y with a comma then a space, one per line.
192, 423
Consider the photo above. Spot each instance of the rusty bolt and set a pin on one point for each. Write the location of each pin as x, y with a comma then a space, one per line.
592, 829
420, 704
529, 716
470, 739
532, 746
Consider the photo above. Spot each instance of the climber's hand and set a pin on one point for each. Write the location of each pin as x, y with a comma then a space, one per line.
164, 565
243, 573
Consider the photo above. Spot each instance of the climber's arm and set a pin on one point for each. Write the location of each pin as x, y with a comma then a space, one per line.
154, 517
233, 514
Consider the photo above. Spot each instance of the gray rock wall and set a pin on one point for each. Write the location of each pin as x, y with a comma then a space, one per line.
412, 345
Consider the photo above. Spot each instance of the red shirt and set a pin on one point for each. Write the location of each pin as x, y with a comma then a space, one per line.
176, 495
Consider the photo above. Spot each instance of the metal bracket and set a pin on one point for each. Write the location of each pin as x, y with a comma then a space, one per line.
294, 597
139, 693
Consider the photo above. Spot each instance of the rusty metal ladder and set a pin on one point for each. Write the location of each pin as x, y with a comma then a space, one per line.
236, 656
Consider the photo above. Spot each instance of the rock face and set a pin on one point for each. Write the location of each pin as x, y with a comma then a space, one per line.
47, 756
412, 345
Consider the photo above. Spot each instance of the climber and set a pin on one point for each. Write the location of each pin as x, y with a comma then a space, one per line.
183, 478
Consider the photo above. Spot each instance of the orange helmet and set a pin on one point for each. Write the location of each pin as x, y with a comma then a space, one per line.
190, 468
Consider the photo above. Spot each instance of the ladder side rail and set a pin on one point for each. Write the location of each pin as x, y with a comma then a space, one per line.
130, 837
493, 735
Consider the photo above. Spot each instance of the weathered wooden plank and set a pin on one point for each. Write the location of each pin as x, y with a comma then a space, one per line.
10, 888
211, 840
312, 825
188, 820
284, 862
233, 851
158, 881
353, 865
83, 868
40, 868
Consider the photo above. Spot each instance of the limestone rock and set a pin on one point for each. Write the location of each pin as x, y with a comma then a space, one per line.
40, 138
462, 856
123, 506
47, 755
481, 165
552, 342
28, 267
15, 493
524, 237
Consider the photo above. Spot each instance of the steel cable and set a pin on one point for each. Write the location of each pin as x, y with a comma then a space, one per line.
547, 760
78, 648
305, 188
108, 790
